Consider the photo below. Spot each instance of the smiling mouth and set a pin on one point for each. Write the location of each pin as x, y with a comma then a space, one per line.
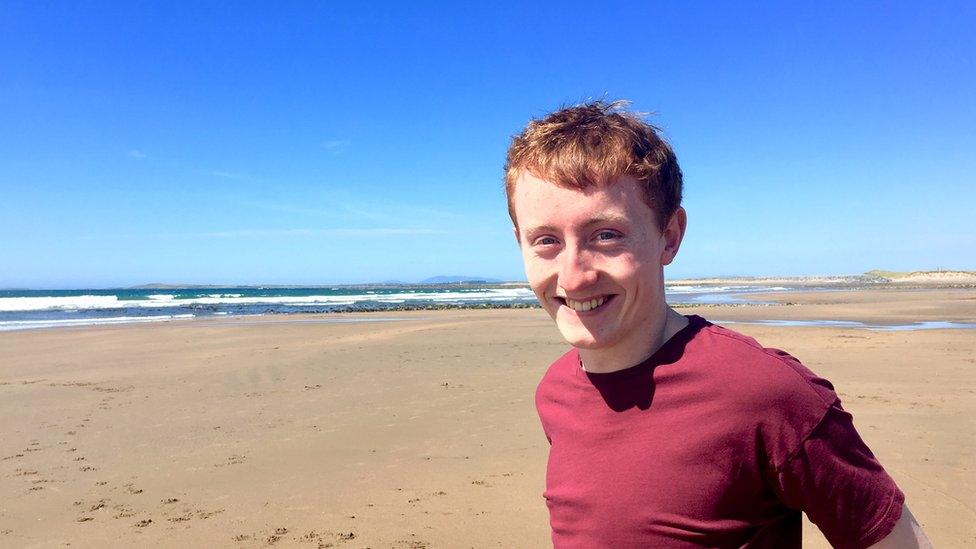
586, 305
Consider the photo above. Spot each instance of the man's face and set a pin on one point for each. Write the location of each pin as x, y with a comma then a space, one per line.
595, 260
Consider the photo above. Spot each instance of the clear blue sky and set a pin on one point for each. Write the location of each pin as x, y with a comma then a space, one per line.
312, 142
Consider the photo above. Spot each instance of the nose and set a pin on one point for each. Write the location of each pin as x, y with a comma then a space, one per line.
576, 270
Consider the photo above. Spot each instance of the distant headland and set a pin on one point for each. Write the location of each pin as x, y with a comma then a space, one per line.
877, 277
874, 278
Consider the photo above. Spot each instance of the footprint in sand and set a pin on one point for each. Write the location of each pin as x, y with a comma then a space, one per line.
123, 512
320, 538
181, 518
207, 514
315, 537
414, 544
276, 536
232, 460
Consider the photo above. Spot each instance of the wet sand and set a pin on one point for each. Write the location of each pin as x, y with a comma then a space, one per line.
418, 432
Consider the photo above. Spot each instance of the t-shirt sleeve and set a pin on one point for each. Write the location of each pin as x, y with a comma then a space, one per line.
835, 479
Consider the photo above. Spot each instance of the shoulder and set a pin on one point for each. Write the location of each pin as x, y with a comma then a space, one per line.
560, 373
773, 393
754, 370
554, 397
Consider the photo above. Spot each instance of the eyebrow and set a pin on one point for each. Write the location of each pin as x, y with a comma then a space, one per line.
604, 219
608, 219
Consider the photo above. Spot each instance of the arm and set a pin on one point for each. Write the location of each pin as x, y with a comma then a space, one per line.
839, 484
907, 534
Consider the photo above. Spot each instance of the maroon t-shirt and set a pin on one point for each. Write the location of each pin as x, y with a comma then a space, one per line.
714, 441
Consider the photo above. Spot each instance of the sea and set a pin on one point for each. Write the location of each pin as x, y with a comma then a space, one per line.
31, 309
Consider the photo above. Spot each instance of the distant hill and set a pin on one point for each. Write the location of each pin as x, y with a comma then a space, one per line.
871, 278
176, 286
459, 279
427, 281
925, 277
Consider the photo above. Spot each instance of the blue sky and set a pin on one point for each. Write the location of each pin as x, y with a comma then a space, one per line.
311, 142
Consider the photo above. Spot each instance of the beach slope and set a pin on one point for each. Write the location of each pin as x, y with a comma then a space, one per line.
415, 432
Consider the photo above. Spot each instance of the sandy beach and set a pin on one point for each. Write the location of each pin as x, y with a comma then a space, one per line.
406, 429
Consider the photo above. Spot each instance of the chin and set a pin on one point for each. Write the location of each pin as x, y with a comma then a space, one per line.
580, 337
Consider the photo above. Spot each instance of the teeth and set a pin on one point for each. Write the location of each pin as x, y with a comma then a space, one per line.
584, 306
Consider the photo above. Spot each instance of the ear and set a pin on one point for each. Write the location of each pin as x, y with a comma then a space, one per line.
673, 234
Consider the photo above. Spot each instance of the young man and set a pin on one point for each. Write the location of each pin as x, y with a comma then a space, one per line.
666, 430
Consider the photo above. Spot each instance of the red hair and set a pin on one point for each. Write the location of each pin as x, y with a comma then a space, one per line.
595, 144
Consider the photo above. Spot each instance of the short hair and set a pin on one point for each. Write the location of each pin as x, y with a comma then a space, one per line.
595, 144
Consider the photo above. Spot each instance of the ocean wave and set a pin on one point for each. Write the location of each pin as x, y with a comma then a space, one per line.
63, 323
155, 301
77, 302
701, 289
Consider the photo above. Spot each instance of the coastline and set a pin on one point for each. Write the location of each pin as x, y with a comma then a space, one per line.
39, 309
413, 432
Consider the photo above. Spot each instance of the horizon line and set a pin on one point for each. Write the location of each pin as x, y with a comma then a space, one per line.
482, 280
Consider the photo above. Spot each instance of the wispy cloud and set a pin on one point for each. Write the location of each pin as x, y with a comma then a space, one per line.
372, 232
170, 163
375, 211
329, 208
335, 146
379, 232
432, 213
226, 175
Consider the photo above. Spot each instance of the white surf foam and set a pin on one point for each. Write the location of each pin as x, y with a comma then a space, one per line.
90, 302
9, 304
10, 325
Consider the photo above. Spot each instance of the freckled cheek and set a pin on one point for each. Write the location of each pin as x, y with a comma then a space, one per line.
622, 266
540, 276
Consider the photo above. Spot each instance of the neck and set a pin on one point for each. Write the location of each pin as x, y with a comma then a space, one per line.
625, 355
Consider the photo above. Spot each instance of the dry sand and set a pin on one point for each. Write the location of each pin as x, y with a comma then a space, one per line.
410, 433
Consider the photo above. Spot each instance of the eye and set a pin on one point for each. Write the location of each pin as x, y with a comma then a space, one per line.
607, 235
544, 241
